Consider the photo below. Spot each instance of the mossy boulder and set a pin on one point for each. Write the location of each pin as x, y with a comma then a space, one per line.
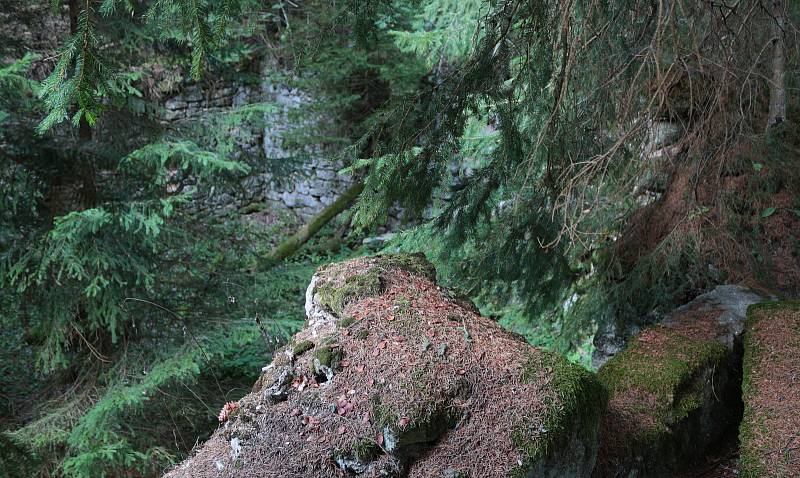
770, 431
674, 392
395, 387
326, 361
571, 420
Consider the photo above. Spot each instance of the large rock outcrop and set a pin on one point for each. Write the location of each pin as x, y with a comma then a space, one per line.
394, 376
770, 430
675, 389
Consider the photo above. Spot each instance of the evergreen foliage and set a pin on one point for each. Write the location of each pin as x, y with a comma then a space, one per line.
131, 305
574, 90
515, 135
82, 77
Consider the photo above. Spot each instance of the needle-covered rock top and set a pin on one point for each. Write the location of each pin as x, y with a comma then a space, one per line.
395, 376
770, 430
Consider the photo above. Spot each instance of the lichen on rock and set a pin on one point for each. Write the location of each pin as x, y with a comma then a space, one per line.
393, 386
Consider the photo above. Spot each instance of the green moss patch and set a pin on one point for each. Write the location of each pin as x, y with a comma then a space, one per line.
335, 296
362, 452
327, 356
426, 422
415, 263
663, 371
302, 347
576, 401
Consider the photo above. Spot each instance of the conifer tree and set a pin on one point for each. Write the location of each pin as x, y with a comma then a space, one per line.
103, 277
578, 93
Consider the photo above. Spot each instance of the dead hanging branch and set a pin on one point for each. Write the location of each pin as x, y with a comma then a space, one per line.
701, 67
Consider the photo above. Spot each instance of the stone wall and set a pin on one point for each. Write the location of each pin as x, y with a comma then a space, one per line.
312, 181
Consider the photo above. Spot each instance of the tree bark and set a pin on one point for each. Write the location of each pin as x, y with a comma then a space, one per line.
777, 89
296, 241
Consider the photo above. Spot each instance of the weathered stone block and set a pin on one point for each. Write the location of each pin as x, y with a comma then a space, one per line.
326, 174
732, 300
674, 390
310, 201
193, 94
290, 199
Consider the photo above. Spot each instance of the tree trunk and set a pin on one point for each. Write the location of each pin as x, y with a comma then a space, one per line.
293, 243
777, 90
